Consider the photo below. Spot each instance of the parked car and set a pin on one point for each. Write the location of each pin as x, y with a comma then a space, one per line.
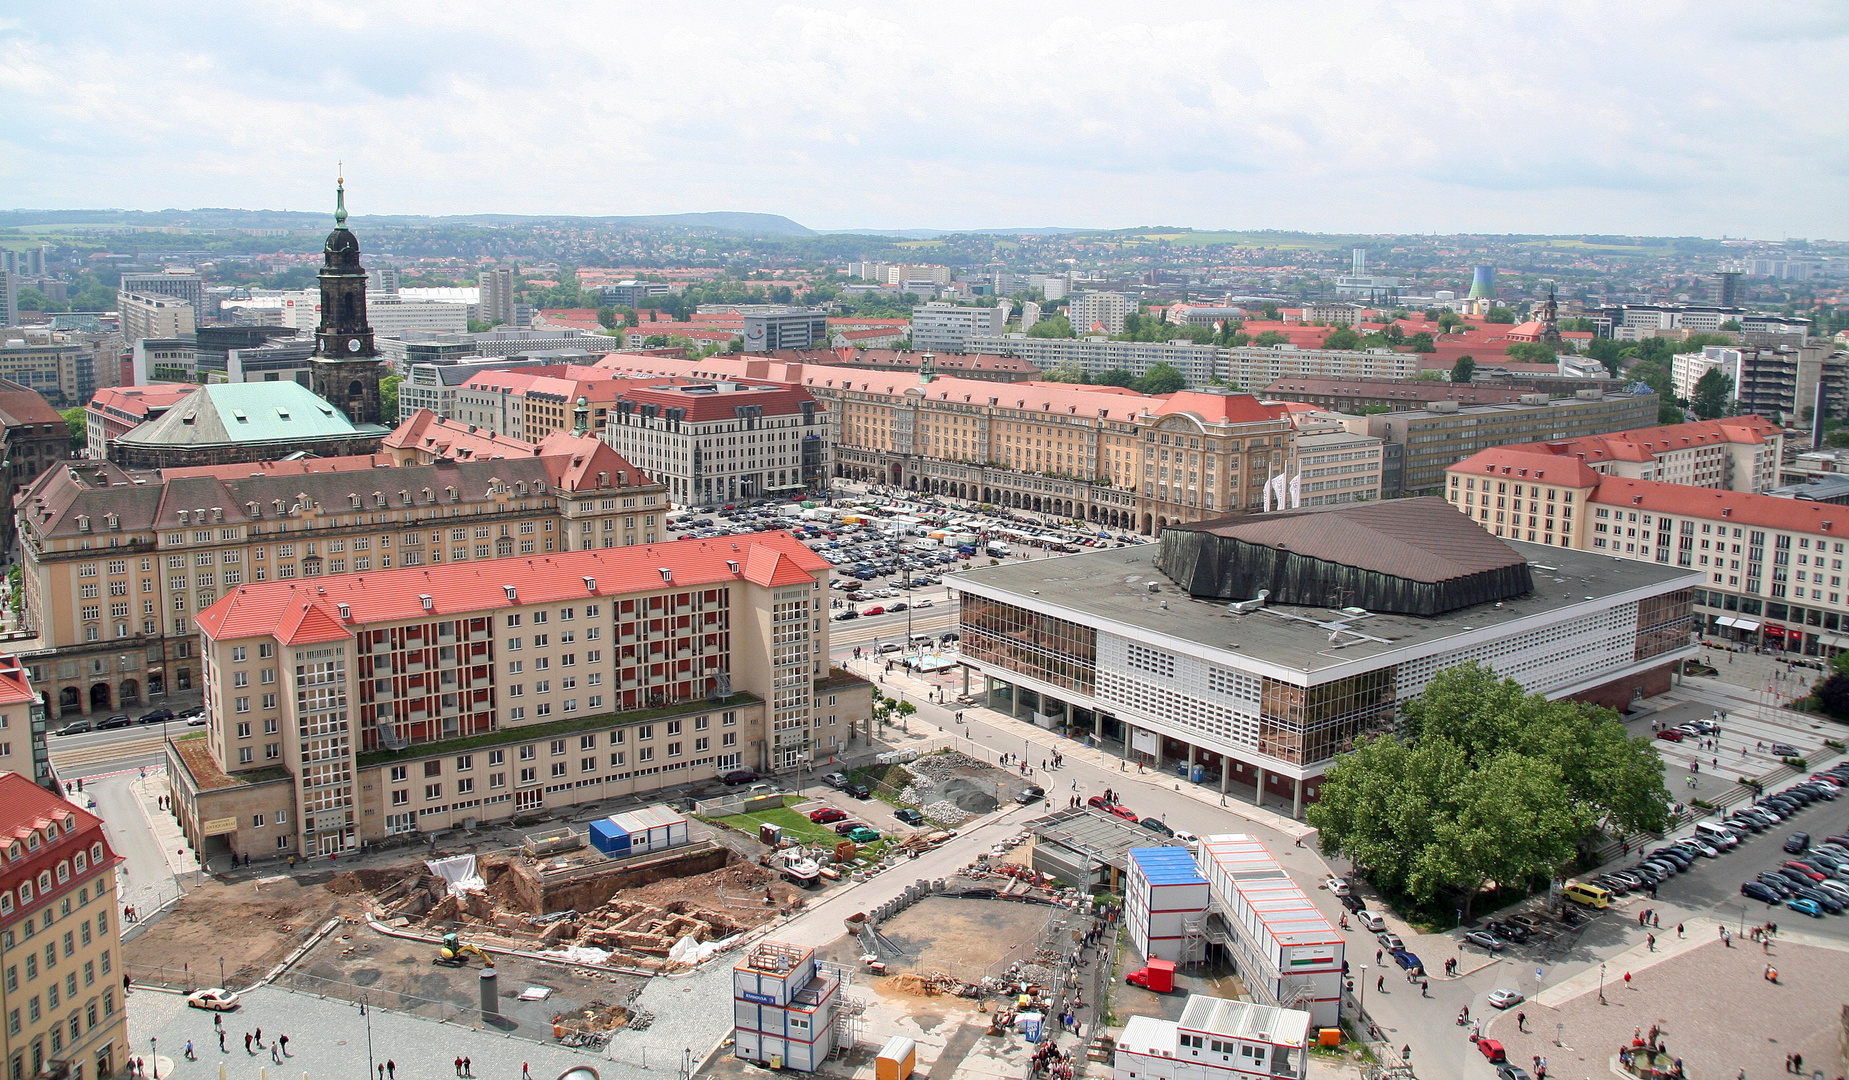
1780, 749
1503, 999
1508, 931
845, 827
863, 835
1797, 842
1336, 886
1808, 907
1805, 871
1389, 940
1407, 960
1371, 921
858, 791
827, 815
214, 1000
1098, 802
75, 727
874, 610
1156, 825
909, 816
1761, 891
737, 777
1124, 812
836, 780
1670, 735
155, 717
116, 721
1483, 939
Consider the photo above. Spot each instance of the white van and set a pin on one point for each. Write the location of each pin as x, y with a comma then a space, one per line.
1717, 835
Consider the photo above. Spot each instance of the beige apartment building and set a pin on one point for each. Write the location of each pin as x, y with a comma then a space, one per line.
150, 315
405, 702
117, 562
60, 939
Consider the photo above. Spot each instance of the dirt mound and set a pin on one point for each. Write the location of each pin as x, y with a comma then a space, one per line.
353, 882
968, 795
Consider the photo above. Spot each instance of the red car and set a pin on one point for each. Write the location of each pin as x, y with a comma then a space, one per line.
1670, 735
1805, 870
1123, 812
848, 826
827, 814
874, 610
1492, 1050
1097, 802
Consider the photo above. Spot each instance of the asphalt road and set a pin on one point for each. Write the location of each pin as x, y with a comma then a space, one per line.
97, 752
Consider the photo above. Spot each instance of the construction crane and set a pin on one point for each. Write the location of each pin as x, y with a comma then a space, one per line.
455, 954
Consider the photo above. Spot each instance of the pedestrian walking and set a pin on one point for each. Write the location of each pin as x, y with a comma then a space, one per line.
458, 1066
1521, 1022
247, 1042
190, 1056
1650, 940
525, 1073
259, 1036
1380, 984
391, 1068
275, 1057
221, 1040
1678, 929
381, 1072
283, 1041
468, 1067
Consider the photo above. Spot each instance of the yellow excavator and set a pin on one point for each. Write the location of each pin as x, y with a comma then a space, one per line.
455, 954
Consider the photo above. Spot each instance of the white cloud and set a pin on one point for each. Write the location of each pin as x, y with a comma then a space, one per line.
1653, 118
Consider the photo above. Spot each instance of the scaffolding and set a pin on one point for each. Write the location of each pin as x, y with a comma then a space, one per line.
849, 1022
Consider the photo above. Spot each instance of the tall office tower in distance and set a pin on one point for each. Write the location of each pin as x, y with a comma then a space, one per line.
1360, 262
1727, 288
497, 295
9, 298
345, 370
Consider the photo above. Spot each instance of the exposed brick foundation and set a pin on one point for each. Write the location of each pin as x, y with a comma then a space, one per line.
1619, 693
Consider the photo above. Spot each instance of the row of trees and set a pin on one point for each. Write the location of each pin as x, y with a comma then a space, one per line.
1485, 785
1161, 378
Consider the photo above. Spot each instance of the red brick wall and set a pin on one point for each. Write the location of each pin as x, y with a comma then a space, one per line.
1619, 693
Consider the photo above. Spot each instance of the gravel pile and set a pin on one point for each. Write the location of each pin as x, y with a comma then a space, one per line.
946, 812
941, 767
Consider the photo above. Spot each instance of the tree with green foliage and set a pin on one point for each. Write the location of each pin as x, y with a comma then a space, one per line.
1428, 375
1341, 337
1610, 353
1116, 377
1432, 314
1485, 783
1058, 326
1713, 395
1730, 324
606, 317
1694, 343
1162, 378
1499, 314
78, 421
1422, 342
1464, 370
1067, 371
1532, 352
388, 399
1447, 321
655, 341
1269, 310
1269, 338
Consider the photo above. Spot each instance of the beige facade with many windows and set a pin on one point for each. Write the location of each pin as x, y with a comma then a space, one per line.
117, 561
60, 943
370, 707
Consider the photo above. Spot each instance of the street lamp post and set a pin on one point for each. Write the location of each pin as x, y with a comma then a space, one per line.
1361, 1009
1601, 984
154, 1055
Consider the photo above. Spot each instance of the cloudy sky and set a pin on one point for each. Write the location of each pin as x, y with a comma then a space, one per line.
1655, 118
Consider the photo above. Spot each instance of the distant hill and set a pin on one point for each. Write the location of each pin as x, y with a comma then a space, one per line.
743, 224
934, 234
729, 221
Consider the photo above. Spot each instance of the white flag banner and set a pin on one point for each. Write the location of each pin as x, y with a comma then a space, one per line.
1279, 483
1296, 491
1267, 497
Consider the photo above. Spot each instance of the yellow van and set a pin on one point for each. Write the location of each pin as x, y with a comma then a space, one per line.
1590, 895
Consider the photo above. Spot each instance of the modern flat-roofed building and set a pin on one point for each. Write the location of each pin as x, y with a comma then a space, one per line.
1258, 365
1441, 434
1283, 947
1337, 467
181, 284
66, 1019
792, 329
1199, 364
720, 441
1338, 615
949, 327
64, 371
411, 701
1090, 311
151, 315
1399, 395
784, 1006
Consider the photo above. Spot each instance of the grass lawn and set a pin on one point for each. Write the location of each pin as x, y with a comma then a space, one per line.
795, 826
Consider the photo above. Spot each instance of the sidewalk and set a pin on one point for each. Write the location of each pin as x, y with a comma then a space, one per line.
148, 790
901, 681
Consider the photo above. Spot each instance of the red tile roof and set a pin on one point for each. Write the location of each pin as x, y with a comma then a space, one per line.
428, 433
1734, 507
308, 609
1644, 444
1230, 408
15, 687
1531, 461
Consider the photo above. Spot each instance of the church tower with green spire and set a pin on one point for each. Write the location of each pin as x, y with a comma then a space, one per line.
345, 370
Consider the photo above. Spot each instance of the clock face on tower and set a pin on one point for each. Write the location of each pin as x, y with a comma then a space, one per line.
353, 344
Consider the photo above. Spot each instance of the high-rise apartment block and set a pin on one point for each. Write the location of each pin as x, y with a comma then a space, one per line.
497, 295
721, 441
1099, 312
151, 315
184, 285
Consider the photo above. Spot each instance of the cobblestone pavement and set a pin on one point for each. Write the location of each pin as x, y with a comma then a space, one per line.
1716, 1009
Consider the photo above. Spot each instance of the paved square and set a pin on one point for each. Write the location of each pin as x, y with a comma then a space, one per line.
1717, 1012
